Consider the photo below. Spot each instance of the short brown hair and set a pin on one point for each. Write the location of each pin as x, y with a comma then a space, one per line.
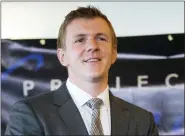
88, 12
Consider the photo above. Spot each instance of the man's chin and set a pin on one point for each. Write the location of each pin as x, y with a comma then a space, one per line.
95, 77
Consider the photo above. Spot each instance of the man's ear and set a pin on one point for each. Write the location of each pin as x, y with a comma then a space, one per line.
61, 56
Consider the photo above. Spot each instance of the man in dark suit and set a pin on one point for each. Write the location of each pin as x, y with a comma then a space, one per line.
83, 105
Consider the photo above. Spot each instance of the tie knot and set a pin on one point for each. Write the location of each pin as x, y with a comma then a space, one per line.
94, 103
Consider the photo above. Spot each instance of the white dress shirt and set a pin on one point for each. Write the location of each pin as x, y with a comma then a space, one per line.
80, 97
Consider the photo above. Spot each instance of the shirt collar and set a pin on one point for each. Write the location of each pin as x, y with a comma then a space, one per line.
80, 97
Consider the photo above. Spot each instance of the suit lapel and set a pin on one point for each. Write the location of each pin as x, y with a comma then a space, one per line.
69, 112
119, 117
71, 116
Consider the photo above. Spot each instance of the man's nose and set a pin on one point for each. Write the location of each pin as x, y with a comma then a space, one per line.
92, 45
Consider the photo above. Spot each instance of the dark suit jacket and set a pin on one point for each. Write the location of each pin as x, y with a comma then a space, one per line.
55, 113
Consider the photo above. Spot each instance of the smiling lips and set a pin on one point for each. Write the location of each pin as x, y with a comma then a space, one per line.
92, 60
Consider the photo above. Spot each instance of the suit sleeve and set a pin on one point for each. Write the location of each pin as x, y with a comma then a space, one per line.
153, 131
23, 121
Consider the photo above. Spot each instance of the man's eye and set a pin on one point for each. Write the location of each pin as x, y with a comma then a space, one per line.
80, 40
101, 39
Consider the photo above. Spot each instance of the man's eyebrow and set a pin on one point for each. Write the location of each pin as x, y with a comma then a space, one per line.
80, 35
102, 34
97, 34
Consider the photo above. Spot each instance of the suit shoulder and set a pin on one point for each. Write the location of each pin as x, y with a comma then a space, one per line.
139, 117
137, 114
132, 107
39, 100
47, 96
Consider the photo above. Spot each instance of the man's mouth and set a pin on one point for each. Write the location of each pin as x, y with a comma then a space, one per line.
93, 60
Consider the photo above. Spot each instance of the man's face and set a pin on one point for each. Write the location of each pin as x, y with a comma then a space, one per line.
89, 52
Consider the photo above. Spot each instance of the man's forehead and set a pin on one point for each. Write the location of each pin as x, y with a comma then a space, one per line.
93, 23
83, 27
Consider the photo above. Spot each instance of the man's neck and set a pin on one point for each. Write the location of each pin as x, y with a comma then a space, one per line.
93, 88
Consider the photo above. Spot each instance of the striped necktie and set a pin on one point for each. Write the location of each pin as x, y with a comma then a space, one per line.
96, 126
